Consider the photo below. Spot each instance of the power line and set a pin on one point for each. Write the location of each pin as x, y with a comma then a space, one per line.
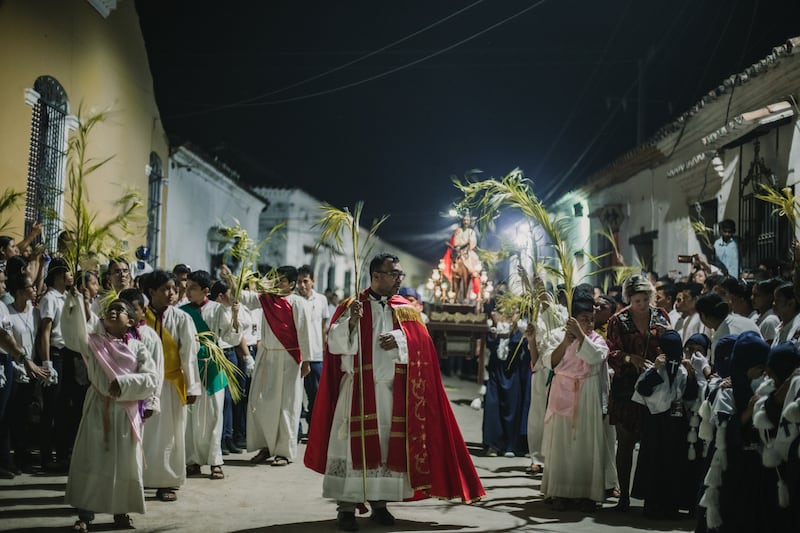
386, 73
575, 107
556, 186
335, 69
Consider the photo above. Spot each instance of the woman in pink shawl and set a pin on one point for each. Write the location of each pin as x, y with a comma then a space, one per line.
105, 472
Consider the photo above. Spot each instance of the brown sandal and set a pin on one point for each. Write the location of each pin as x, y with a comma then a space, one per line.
534, 469
166, 495
216, 472
261, 457
81, 526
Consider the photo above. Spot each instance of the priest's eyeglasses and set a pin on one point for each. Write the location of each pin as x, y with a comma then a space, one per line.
395, 274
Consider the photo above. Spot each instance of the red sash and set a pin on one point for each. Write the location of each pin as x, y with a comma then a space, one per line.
279, 316
425, 439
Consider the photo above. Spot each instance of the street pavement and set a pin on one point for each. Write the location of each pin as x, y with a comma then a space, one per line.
288, 499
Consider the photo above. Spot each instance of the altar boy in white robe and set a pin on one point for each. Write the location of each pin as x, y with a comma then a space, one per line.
164, 440
283, 360
106, 469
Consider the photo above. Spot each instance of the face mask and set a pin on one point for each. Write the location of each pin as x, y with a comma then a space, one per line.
756, 383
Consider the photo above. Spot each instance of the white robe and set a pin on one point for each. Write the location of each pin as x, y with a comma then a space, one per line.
106, 477
165, 432
549, 334
341, 481
576, 448
152, 342
276, 390
204, 426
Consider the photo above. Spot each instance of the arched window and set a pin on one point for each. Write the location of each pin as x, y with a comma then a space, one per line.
47, 159
155, 176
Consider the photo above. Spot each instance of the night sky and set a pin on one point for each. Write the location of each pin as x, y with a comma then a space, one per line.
235, 79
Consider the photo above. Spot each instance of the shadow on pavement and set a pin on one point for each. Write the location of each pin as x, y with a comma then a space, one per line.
363, 522
60, 487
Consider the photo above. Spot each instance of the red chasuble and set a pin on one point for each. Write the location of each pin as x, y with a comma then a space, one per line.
278, 313
425, 439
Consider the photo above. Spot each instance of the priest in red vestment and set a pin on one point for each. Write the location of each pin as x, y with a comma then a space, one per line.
386, 431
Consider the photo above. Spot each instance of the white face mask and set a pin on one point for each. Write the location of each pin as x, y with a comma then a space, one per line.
756, 383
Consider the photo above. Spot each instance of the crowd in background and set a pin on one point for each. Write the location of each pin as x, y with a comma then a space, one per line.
698, 374
195, 408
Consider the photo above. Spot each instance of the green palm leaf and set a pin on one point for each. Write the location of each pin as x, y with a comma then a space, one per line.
785, 202
92, 240
490, 197
335, 223
8, 201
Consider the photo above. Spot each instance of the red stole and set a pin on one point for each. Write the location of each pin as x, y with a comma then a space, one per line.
279, 316
425, 439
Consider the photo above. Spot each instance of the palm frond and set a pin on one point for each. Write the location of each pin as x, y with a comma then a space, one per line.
491, 258
514, 191
622, 271
90, 239
247, 251
702, 232
209, 341
106, 299
335, 223
8, 201
785, 202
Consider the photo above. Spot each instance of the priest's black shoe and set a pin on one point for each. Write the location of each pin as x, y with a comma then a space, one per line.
346, 521
382, 516
231, 447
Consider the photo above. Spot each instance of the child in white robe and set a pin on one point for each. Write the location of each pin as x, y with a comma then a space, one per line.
106, 469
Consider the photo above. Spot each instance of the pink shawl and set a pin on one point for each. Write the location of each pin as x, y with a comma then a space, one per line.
117, 359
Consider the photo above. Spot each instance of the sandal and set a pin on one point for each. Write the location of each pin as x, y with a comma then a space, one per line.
166, 495
280, 461
534, 469
192, 470
81, 526
216, 472
123, 521
261, 457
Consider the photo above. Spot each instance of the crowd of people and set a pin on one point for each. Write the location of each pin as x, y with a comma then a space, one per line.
700, 374
129, 384
132, 383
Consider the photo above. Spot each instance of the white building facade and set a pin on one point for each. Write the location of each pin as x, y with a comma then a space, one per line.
706, 167
296, 244
202, 196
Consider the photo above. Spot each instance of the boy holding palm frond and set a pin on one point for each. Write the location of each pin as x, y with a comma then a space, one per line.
283, 360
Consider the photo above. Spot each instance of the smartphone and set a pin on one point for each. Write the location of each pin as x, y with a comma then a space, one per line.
683, 258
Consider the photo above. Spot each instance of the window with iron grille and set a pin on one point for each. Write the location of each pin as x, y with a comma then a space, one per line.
155, 181
762, 234
47, 159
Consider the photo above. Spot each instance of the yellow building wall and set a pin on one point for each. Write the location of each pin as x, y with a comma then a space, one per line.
102, 65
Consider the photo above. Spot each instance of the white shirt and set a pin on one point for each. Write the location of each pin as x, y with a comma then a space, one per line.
50, 306
24, 326
318, 309
5, 322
